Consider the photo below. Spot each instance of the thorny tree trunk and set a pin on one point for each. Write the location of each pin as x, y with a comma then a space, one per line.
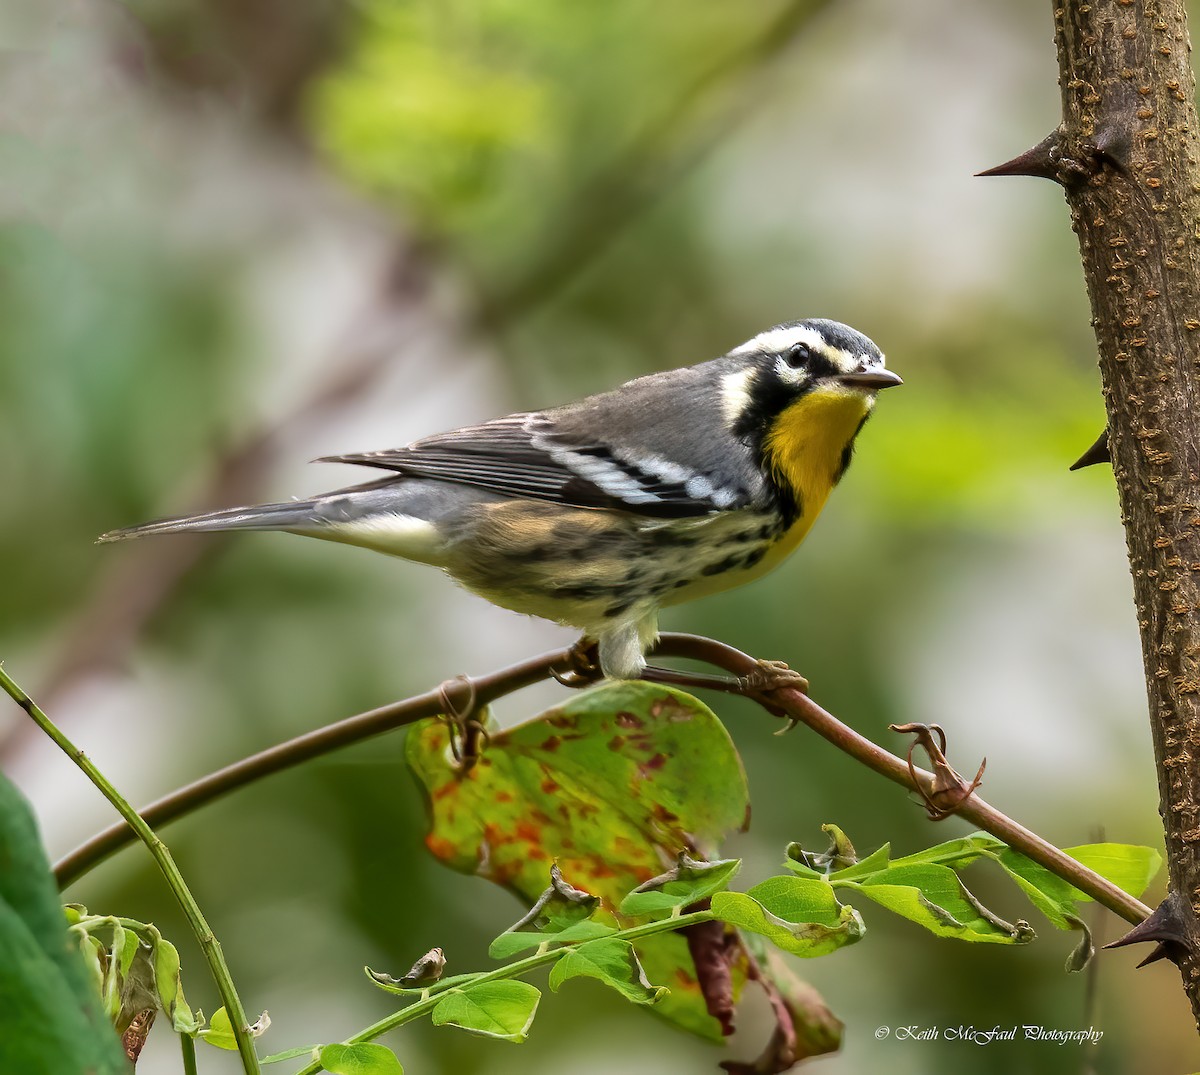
1127, 155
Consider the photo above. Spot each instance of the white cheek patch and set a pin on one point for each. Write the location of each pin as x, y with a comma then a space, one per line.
735, 392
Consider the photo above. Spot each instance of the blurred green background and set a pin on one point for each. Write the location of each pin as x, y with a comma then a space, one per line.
240, 234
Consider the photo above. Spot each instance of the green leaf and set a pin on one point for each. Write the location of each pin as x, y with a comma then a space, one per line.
510, 943
502, 1009
798, 914
51, 1018
313, 1051
125, 948
364, 1058
1128, 866
611, 784
170, 986
799, 899
687, 883
1049, 893
220, 1031
934, 897
613, 962
955, 853
873, 863
798, 862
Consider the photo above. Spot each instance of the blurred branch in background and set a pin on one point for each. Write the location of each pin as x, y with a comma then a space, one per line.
134, 586
655, 162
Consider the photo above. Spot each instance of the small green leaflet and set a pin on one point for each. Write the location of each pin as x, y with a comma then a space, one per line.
612, 961
798, 914
360, 1059
503, 1009
934, 897
219, 1032
689, 882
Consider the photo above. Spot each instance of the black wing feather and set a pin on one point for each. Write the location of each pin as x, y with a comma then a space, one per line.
525, 455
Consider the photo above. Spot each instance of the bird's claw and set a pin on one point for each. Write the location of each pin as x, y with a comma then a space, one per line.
582, 666
771, 676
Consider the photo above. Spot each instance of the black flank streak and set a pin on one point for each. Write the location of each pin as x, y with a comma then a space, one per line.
584, 591
721, 566
752, 558
668, 539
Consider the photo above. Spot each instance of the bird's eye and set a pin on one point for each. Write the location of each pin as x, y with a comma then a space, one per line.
797, 355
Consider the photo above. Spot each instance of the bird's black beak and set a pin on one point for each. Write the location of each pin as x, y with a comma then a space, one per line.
874, 379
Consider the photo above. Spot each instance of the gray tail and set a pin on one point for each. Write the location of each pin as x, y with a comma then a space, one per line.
297, 514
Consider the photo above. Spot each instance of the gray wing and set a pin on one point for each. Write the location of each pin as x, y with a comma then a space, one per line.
646, 448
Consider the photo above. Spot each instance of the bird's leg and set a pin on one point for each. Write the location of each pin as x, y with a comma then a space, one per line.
583, 665
766, 677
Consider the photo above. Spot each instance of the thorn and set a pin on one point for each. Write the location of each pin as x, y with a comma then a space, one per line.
1159, 951
1168, 924
1097, 453
1041, 161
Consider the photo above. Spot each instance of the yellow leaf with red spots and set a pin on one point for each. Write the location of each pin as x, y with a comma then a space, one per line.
611, 785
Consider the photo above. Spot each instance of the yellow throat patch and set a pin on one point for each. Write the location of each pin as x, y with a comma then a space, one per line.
806, 446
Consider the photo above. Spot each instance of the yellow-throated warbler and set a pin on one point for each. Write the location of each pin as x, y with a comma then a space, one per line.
599, 513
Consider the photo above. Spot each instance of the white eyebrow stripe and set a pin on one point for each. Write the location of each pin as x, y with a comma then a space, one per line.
780, 339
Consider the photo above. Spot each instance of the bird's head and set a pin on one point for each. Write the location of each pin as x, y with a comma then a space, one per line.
800, 392
823, 365
779, 366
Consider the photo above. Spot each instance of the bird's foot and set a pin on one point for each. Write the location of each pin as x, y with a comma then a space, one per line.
582, 667
772, 676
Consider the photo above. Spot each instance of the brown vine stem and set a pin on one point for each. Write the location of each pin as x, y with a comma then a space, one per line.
495, 685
